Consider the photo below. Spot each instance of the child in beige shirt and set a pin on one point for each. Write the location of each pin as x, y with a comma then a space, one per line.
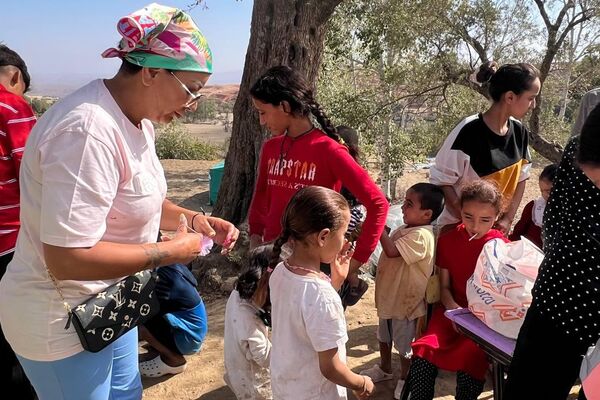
404, 267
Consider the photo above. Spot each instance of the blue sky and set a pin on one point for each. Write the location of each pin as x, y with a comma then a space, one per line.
61, 40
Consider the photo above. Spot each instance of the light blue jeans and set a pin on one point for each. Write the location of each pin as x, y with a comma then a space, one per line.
110, 374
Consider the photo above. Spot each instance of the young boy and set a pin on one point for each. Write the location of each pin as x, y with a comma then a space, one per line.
404, 268
180, 327
530, 224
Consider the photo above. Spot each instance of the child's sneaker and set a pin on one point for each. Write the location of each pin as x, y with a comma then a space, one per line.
377, 374
398, 390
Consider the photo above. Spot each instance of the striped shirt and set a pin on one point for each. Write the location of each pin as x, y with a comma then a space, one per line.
16, 121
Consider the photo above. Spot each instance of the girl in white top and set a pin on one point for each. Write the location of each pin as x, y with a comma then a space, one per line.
247, 344
308, 360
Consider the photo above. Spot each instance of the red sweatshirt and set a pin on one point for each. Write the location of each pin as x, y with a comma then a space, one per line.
16, 121
312, 160
526, 227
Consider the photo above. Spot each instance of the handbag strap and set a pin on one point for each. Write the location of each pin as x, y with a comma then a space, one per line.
60, 294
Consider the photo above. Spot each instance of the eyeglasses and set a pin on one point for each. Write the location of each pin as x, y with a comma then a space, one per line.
193, 97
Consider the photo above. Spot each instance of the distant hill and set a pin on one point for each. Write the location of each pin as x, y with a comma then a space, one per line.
225, 93
59, 85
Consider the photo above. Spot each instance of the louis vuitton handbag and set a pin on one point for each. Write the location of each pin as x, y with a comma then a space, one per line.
108, 315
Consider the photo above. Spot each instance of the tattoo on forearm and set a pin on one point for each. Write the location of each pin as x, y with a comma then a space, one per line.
155, 256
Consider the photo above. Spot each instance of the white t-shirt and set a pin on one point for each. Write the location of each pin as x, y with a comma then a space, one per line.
88, 174
247, 350
308, 317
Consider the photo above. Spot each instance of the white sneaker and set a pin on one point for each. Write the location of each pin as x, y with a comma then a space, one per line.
398, 390
376, 374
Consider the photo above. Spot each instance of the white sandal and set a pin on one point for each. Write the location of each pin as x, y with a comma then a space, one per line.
156, 368
376, 374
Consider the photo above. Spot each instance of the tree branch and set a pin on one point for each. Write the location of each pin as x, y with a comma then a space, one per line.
570, 26
396, 100
544, 14
561, 15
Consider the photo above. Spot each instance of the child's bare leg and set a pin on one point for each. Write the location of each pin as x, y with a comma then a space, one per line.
404, 366
169, 357
352, 279
385, 351
353, 272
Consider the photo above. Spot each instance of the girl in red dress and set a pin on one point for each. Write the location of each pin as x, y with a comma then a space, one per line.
441, 346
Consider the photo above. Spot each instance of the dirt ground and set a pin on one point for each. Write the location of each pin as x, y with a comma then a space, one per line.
203, 378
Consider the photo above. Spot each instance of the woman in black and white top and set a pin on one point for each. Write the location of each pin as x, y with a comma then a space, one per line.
564, 318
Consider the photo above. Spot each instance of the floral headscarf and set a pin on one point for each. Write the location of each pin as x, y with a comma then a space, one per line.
158, 36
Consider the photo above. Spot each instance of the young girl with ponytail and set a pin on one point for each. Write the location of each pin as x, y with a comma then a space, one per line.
299, 155
308, 358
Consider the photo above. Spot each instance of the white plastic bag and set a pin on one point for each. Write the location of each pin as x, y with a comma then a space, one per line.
394, 220
590, 372
499, 291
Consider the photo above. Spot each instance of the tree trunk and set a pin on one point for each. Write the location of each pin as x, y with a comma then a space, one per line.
283, 32
550, 150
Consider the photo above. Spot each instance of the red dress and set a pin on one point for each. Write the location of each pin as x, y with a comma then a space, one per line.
441, 345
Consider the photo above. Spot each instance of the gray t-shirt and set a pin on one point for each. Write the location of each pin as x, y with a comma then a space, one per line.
588, 102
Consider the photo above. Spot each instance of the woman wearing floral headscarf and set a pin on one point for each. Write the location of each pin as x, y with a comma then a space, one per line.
93, 200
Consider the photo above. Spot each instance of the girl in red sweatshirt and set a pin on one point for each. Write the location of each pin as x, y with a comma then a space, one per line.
299, 155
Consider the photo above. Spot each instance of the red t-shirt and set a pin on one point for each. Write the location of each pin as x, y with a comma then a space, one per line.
287, 165
16, 121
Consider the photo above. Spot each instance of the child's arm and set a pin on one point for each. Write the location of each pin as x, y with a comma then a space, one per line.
446, 293
337, 372
388, 246
451, 200
504, 223
259, 347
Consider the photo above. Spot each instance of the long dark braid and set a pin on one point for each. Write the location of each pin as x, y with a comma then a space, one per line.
328, 127
323, 119
281, 83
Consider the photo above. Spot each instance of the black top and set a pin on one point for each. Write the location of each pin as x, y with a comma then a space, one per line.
490, 152
567, 289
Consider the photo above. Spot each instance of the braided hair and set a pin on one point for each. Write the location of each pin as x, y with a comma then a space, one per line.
310, 210
281, 83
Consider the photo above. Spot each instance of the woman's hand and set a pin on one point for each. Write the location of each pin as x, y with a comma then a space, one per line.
189, 244
341, 265
220, 231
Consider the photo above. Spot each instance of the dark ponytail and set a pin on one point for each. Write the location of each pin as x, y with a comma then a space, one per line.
516, 78
249, 279
281, 240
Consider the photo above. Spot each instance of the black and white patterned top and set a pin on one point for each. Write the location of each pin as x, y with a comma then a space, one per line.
567, 289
